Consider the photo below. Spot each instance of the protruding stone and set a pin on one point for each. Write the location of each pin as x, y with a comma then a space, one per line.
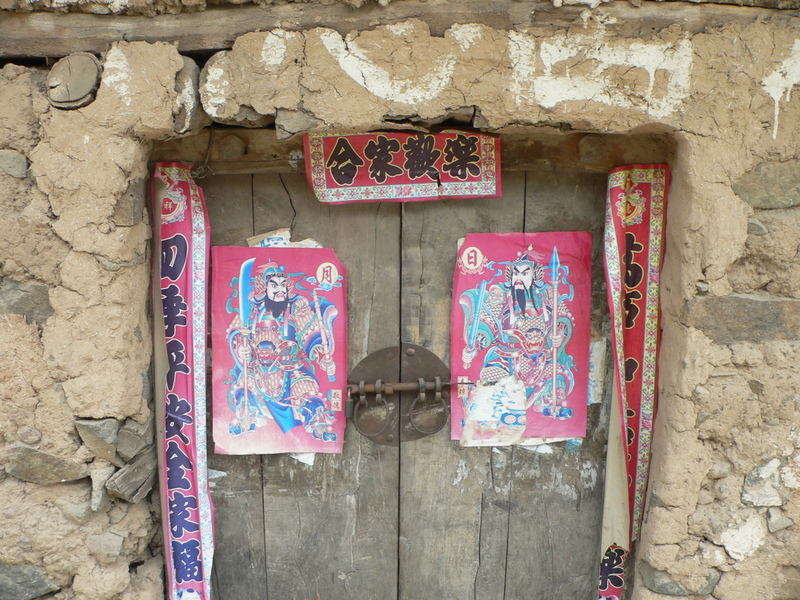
29, 435
100, 436
36, 466
771, 185
14, 163
720, 469
737, 318
660, 582
134, 437
32, 300
73, 81
99, 479
136, 479
24, 582
743, 541
776, 520
762, 485
756, 228
130, 206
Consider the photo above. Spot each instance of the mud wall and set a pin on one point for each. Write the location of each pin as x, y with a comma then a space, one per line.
723, 502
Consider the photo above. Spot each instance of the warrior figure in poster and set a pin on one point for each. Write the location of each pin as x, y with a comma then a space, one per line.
280, 340
520, 318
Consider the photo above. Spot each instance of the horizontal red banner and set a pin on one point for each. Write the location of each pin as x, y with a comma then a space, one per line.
403, 167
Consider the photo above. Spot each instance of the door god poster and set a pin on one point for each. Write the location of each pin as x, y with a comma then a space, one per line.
279, 331
520, 337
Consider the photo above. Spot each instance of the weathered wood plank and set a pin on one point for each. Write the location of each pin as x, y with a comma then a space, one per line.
452, 515
520, 151
556, 499
56, 35
240, 556
332, 526
229, 201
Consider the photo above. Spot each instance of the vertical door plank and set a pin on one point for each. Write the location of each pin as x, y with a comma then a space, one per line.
240, 558
557, 498
331, 527
453, 500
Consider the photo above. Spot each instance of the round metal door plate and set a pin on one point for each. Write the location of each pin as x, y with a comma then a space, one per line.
400, 416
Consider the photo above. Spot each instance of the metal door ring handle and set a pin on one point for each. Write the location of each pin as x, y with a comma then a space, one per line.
420, 396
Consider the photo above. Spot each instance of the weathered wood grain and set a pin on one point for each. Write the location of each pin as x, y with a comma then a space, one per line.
556, 499
452, 510
520, 151
56, 35
240, 556
229, 201
331, 528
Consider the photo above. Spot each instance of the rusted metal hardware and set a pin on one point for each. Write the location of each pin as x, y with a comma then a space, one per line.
389, 413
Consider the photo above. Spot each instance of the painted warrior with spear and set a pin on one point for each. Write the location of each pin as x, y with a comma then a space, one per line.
524, 325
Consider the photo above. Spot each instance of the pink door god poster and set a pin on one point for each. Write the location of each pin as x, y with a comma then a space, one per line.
279, 349
520, 337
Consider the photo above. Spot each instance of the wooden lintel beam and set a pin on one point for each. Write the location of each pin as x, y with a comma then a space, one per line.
40, 34
259, 151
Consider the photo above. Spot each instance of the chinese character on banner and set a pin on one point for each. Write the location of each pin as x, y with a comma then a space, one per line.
635, 220
180, 283
520, 337
279, 339
405, 167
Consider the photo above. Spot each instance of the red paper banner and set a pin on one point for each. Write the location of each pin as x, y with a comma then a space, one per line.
520, 337
180, 286
406, 167
635, 213
279, 345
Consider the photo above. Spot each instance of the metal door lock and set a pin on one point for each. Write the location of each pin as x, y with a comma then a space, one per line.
390, 413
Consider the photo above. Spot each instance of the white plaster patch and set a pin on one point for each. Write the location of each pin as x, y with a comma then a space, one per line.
273, 51
789, 478
214, 90
588, 475
781, 81
522, 53
548, 90
307, 458
379, 82
597, 371
743, 541
462, 470
562, 489
117, 73
467, 35
400, 29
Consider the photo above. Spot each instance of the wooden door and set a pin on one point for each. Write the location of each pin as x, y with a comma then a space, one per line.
429, 520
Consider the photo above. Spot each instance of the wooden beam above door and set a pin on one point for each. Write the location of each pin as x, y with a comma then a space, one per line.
44, 34
232, 151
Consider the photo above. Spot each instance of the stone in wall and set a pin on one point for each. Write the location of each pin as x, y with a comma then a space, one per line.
771, 185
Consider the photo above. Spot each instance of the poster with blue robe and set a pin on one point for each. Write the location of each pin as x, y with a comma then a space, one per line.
279, 350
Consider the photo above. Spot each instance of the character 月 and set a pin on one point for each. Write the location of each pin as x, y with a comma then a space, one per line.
514, 321
280, 348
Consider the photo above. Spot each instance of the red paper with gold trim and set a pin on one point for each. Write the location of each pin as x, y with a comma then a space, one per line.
405, 167
279, 348
520, 337
180, 307
635, 217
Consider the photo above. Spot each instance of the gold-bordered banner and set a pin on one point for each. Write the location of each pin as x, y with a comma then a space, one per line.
402, 167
